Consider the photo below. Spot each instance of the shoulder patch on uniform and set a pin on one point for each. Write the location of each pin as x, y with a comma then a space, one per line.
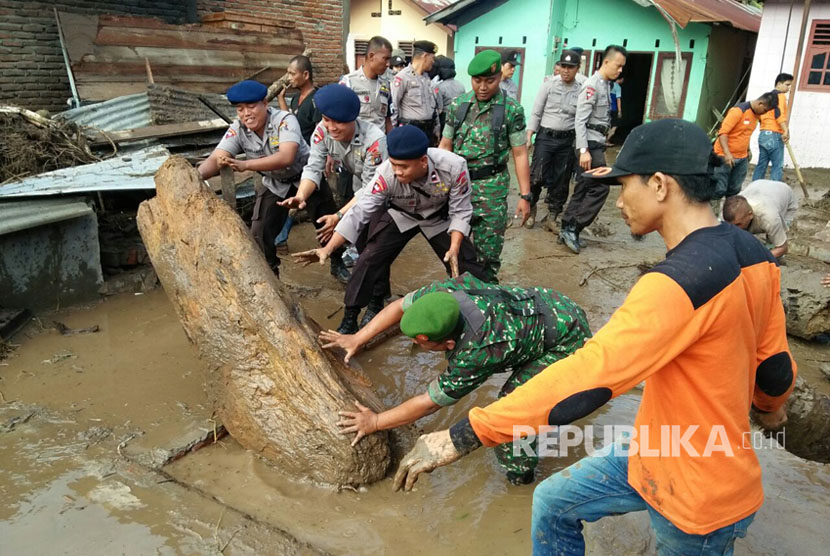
380, 185
590, 92
462, 181
283, 125
318, 135
230, 134
397, 81
374, 152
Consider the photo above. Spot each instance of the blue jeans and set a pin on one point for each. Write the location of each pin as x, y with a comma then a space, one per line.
286, 229
728, 181
770, 150
595, 487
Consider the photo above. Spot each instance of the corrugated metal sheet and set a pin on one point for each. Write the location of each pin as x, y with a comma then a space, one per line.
129, 171
127, 112
22, 215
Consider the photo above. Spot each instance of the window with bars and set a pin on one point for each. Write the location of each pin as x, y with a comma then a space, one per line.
360, 49
815, 73
407, 47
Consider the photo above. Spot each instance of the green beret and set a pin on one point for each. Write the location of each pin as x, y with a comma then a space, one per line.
435, 315
485, 64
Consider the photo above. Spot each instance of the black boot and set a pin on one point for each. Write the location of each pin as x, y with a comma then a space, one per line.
349, 323
520, 479
339, 270
375, 306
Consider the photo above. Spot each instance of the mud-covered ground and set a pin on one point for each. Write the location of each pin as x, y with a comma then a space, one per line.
91, 425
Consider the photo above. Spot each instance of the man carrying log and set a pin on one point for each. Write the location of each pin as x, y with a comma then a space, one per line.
484, 330
419, 189
273, 144
705, 329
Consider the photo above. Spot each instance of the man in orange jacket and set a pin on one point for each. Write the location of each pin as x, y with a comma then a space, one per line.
704, 328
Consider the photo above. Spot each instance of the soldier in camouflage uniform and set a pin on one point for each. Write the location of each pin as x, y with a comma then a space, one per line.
484, 329
471, 119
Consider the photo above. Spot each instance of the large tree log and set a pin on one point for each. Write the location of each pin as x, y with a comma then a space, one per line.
807, 303
274, 388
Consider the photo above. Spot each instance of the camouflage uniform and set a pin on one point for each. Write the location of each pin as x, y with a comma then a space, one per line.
511, 338
473, 139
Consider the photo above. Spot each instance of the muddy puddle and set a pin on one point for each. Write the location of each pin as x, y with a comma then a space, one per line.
88, 473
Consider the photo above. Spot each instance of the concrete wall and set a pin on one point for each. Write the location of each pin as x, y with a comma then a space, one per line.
32, 71
723, 73
51, 265
775, 53
409, 26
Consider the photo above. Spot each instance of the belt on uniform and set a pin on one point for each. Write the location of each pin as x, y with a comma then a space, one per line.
557, 132
487, 171
598, 128
404, 121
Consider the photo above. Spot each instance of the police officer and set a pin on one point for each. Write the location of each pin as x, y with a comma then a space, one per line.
273, 144
417, 190
448, 86
357, 145
485, 126
508, 67
372, 84
484, 330
416, 99
552, 120
592, 123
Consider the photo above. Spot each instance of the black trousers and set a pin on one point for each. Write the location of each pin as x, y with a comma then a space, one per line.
269, 218
384, 244
427, 127
552, 166
589, 194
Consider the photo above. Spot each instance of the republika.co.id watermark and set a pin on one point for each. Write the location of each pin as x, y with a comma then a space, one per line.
643, 441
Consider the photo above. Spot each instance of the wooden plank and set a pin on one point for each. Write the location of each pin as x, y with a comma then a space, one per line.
194, 58
228, 186
158, 131
204, 40
117, 71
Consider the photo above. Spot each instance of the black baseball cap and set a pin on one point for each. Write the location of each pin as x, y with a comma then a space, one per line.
511, 57
569, 58
395, 61
671, 146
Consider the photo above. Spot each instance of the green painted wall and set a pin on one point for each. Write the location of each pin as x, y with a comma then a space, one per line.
545, 25
519, 24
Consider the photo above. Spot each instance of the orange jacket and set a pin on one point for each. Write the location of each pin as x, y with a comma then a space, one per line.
738, 126
706, 331
772, 120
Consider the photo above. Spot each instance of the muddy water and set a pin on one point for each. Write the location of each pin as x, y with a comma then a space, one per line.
140, 376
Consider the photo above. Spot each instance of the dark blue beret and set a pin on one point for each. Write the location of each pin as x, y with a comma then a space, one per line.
247, 91
407, 143
337, 102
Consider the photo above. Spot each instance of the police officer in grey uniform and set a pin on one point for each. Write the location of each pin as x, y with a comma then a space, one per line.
272, 142
552, 120
372, 84
509, 61
357, 145
415, 97
448, 86
418, 190
592, 122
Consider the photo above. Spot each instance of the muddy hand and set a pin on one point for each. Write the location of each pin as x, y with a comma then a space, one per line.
430, 452
364, 421
325, 231
305, 258
347, 342
772, 421
452, 259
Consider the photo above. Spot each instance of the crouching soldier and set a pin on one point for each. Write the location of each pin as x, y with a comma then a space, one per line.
484, 329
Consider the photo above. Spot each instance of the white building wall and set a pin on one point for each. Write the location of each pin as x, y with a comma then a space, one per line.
810, 119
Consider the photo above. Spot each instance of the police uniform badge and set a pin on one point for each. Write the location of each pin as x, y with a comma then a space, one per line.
230, 134
374, 153
462, 182
380, 185
589, 91
318, 135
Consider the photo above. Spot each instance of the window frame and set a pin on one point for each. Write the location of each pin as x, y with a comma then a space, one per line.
657, 86
811, 50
